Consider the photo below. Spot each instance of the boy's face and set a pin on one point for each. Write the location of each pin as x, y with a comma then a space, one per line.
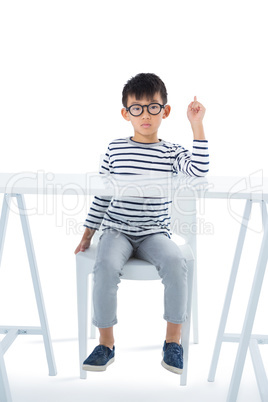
146, 125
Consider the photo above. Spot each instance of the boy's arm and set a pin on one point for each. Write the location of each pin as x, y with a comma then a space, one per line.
96, 212
195, 113
198, 131
93, 221
86, 240
197, 162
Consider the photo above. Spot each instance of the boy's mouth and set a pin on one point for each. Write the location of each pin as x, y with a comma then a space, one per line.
146, 125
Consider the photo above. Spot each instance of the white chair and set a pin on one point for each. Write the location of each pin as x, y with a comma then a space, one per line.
183, 221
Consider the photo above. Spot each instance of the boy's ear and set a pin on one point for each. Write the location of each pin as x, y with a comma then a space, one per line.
125, 114
166, 111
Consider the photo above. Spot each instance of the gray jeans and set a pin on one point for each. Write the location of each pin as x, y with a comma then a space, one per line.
114, 249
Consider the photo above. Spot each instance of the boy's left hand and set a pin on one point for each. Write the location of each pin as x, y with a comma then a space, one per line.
195, 111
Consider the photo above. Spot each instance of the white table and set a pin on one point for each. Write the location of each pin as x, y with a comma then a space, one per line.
252, 189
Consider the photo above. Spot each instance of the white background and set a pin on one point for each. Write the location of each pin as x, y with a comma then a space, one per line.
62, 70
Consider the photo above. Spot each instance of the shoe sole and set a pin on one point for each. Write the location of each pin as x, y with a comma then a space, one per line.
173, 369
87, 367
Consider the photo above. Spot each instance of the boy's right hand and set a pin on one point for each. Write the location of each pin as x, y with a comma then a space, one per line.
86, 240
82, 246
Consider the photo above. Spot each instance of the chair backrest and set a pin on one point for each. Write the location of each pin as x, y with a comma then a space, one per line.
183, 219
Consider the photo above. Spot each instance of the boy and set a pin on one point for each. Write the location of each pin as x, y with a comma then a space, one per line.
138, 226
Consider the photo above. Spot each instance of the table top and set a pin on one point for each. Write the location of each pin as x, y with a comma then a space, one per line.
254, 186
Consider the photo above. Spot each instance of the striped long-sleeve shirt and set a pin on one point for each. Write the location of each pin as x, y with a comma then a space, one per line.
137, 215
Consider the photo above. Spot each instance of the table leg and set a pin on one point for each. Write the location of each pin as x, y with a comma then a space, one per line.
249, 318
33, 268
5, 395
259, 369
230, 290
36, 284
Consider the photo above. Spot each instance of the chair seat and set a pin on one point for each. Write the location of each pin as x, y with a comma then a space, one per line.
134, 269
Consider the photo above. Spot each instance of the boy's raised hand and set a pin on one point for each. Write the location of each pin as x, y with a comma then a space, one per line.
195, 111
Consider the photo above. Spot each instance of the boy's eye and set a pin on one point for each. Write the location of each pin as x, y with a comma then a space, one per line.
135, 110
154, 108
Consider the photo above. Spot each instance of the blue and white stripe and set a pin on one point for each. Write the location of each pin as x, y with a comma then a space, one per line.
136, 215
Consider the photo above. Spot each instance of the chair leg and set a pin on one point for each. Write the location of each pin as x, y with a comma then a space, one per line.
195, 308
82, 306
185, 336
92, 327
185, 342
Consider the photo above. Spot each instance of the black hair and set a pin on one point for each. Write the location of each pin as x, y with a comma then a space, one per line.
144, 84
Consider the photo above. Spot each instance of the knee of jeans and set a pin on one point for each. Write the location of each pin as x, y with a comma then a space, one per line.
107, 269
174, 266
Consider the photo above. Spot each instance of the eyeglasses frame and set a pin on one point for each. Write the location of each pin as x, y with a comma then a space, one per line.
142, 106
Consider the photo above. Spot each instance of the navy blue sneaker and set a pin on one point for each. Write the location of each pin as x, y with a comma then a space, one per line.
99, 359
172, 357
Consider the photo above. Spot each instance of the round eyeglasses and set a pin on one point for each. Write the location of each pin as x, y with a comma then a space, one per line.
137, 110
